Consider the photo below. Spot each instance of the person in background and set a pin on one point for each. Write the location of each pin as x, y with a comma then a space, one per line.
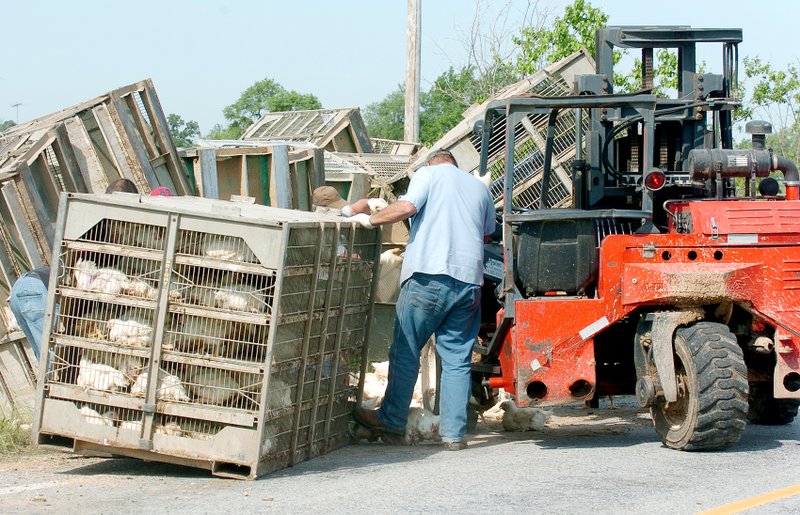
326, 198
451, 214
28, 298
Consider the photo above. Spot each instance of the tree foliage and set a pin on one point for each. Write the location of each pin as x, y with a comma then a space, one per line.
4, 126
540, 46
263, 97
183, 132
775, 97
384, 119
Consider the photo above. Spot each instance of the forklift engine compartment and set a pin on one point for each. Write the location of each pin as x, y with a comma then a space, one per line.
673, 274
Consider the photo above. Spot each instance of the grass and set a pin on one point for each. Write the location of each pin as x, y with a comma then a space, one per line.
15, 434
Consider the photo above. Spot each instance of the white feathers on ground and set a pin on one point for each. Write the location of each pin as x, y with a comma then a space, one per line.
229, 249
279, 395
94, 417
212, 386
523, 419
132, 330
240, 297
201, 335
98, 376
421, 425
132, 425
170, 387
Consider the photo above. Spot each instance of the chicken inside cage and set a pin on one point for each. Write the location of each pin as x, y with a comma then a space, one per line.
108, 322
215, 246
222, 289
112, 274
126, 233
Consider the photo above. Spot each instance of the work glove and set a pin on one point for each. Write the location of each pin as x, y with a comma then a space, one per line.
362, 219
376, 204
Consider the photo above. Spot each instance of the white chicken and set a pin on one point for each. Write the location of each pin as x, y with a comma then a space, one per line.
389, 277
376, 204
131, 330
105, 280
421, 425
496, 412
240, 297
374, 390
201, 335
170, 387
523, 419
98, 376
169, 429
211, 386
141, 288
131, 425
10, 319
94, 417
229, 249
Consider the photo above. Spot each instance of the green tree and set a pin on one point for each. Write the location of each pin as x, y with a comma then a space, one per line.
443, 106
540, 46
183, 132
775, 97
384, 119
4, 126
263, 97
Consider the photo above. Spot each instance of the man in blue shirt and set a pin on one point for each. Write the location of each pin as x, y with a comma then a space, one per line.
451, 213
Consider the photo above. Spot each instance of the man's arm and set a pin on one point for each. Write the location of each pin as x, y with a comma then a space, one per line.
394, 212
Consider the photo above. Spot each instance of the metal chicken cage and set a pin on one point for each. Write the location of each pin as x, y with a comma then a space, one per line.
213, 334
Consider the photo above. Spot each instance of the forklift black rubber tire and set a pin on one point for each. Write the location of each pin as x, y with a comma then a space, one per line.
764, 409
711, 410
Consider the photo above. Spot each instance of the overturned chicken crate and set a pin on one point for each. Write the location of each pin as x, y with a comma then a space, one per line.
214, 334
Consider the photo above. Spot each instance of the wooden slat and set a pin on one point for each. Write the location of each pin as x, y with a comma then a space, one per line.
142, 127
30, 246
281, 173
43, 217
207, 159
70, 171
111, 137
123, 120
162, 136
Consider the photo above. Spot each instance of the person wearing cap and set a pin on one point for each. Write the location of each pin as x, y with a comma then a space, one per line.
451, 214
326, 198
28, 297
161, 191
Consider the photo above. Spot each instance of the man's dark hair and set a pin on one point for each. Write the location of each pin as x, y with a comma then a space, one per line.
124, 185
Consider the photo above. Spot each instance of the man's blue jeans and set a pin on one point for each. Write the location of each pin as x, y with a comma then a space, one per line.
28, 301
450, 309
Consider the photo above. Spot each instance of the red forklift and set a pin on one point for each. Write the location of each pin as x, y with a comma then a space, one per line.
674, 275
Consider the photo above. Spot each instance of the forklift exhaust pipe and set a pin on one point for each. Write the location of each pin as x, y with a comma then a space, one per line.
790, 176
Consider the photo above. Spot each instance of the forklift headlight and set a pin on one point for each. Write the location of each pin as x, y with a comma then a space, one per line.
655, 180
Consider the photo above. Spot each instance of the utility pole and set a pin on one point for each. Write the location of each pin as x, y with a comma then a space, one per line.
17, 106
413, 30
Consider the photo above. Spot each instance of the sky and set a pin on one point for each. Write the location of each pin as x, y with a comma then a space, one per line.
201, 55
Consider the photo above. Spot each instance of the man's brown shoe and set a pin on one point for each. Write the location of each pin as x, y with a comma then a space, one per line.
371, 420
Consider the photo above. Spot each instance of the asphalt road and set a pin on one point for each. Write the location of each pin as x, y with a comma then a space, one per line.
585, 461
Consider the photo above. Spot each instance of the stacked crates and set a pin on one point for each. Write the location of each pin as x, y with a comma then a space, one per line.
201, 332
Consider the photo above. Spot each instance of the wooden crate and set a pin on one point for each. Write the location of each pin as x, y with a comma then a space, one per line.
229, 336
335, 130
81, 149
276, 175
17, 376
530, 134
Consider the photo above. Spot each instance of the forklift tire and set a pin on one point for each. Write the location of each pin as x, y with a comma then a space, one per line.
711, 410
766, 410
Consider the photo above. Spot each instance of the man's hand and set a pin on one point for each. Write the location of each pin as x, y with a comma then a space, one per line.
376, 204
361, 219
